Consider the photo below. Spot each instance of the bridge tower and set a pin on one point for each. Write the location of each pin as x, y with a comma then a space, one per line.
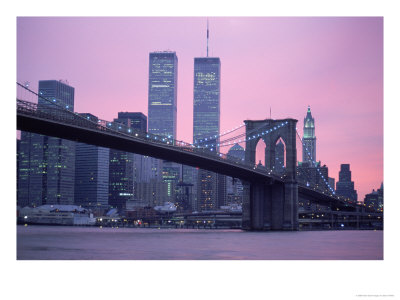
271, 205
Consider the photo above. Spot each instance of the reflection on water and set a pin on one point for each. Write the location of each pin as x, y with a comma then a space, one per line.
48, 242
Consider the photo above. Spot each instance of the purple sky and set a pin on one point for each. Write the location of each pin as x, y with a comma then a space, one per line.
335, 65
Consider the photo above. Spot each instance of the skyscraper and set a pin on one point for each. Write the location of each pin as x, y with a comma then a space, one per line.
234, 186
135, 120
309, 139
163, 86
91, 173
123, 165
162, 107
345, 187
206, 99
47, 164
374, 200
206, 124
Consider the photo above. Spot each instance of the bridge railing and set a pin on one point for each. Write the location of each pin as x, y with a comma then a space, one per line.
48, 109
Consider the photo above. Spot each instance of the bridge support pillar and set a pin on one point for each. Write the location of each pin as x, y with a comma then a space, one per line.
270, 206
290, 207
246, 211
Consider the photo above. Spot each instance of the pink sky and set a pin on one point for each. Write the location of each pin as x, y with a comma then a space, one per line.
335, 65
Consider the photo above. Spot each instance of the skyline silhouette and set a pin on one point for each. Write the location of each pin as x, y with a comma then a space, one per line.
335, 65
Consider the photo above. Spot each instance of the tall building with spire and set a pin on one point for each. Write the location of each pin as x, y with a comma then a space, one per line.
206, 125
309, 139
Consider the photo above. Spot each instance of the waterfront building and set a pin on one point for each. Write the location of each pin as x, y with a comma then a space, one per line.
234, 186
126, 169
345, 187
374, 200
211, 187
189, 176
309, 139
183, 196
91, 173
47, 164
151, 193
162, 109
206, 125
313, 174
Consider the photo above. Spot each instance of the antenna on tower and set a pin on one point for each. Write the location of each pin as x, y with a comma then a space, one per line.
207, 37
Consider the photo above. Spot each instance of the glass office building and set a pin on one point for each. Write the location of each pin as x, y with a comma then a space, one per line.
206, 98
345, 187
162, 109
162, 97
47, 164
122, 174
91, 173
211, 187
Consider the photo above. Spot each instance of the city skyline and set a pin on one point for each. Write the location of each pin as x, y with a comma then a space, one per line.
326, 65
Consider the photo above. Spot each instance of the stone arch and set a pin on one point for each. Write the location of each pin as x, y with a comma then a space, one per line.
288, 134
280, 163
258, 140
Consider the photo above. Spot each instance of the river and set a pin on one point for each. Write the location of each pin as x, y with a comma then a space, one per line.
94, 243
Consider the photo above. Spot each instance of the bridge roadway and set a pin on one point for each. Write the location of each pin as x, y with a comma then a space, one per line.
71, 126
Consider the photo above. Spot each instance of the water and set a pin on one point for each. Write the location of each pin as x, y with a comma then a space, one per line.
94, 243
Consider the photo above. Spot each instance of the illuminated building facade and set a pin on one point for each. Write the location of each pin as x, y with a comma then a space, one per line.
211, 189
163, 87
206, 99
162, 108
345, 187
309, 139
122, 175
374, 200
234, 186
91, 173
47, 164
